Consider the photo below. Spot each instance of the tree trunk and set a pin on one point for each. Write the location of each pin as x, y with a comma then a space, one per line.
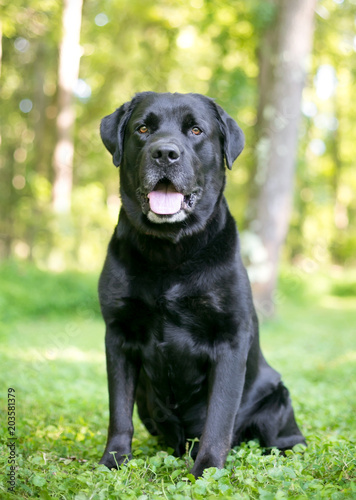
42, 160
0, 45
283, 58
68, 71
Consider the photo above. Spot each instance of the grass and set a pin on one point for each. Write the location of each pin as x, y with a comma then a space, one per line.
52, 354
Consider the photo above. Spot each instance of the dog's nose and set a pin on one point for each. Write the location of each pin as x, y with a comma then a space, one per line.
165, 153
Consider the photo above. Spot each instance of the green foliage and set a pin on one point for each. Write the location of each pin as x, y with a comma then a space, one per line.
56, 363
197, 46
27, 292
325, 207
347, 289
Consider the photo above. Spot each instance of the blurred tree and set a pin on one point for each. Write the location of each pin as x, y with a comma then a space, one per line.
323, 226
0, 45
24, 171
68, 71
283, 56
197, 46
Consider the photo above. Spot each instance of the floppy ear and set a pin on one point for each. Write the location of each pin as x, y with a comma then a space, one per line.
112, 130
234, 139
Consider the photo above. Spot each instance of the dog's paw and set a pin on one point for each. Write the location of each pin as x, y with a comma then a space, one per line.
113, 459
197, 471
206, 460
201, 465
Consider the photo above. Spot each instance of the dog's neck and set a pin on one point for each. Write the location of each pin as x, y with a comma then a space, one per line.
172, 252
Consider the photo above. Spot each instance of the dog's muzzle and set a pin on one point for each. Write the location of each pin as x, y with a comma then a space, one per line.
165, 203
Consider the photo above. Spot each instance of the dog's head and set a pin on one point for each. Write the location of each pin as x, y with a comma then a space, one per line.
171, 149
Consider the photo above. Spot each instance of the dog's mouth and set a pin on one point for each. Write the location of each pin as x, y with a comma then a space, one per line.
165, 199
165, 203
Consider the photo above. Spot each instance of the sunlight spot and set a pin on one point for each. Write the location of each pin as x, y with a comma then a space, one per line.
306, 194
56, 261
309, 265
101, 19
21, 44
51, 354
20, 155
19, 182
338, 303
226, 15
268, 112
345, 194
82, 89
317, 147
325, 121
26, 105
348, 357
309, 109
22, 249
325, 82
322, 11
113, 204
204, 73
186, 38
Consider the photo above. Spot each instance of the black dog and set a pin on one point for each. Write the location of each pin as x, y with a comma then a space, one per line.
182, 332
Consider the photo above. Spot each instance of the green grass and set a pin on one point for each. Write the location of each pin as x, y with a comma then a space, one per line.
52, 354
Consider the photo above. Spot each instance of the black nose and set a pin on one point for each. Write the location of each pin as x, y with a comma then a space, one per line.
165, 153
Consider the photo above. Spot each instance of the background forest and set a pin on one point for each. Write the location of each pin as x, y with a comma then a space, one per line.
211, 47
286, 71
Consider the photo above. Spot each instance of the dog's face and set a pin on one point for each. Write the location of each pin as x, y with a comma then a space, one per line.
171, 150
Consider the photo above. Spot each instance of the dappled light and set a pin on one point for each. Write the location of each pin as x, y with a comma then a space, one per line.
53, 352
182, 48
285, 72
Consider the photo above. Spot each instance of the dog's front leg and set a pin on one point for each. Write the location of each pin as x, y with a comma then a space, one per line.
226, 379
123, 374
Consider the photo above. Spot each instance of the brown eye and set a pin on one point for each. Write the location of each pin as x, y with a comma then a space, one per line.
196, 130
143, 129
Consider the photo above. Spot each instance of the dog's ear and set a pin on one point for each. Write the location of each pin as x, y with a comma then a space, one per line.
234, 139
112, 130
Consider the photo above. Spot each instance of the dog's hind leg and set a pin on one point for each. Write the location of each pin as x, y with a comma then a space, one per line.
272, 422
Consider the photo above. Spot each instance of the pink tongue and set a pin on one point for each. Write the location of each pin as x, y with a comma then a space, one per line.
165, 200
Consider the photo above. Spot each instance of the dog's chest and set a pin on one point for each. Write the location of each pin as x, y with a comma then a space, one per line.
174, 362
173, 335
187, 310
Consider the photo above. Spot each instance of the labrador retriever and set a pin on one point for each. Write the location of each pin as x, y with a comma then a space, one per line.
181, 330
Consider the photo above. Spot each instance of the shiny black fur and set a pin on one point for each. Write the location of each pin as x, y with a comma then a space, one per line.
182, 332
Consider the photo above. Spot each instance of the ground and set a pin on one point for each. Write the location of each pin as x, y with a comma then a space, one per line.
52, 355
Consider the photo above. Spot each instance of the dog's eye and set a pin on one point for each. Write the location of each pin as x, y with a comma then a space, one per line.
143, 129
196, 131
